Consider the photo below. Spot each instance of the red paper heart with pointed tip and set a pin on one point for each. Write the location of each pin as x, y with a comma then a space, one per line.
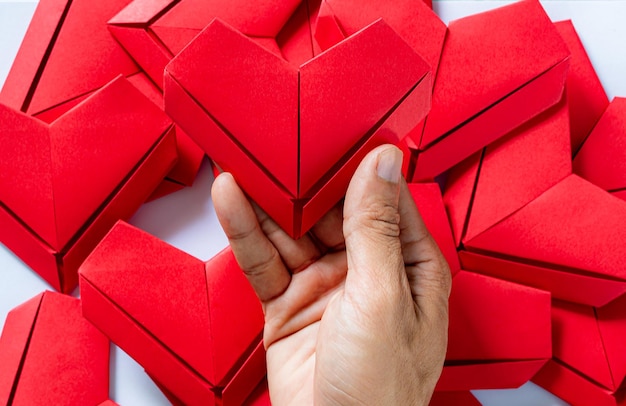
204, 342
293, 135
63, 185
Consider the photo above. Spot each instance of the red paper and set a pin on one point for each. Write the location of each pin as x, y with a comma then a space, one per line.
461, 398
189, 153
573, 387
63, 185
601, 158
541, 147
459, 191
203, 343
485, 88
590, 360
578, 288
154, 31
586, 98
320, 119
413, 20
260, 396
50, 352
571, 227
66, 55
429, 202
67, 52
499, 334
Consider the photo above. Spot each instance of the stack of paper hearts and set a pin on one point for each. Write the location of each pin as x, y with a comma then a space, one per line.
288, 96
67, 54
195, 327
50, 354
519, 213
63, 185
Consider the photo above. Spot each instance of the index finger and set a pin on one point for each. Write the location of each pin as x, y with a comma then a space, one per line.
255, 254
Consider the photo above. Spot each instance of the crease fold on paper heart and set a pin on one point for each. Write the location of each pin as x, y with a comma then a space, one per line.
301, 109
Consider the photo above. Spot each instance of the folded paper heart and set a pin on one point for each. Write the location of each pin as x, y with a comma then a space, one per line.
589, 363
204, 343
66, 55
570, 230
50, 354
494, 188
63, 185
499, 334
498, 69
246, 106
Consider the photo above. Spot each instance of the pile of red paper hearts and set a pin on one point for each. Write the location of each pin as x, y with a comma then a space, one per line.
502, 108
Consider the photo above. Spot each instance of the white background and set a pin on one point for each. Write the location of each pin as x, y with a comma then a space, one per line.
187, 220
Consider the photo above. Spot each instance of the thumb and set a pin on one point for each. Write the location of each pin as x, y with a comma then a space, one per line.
372, 222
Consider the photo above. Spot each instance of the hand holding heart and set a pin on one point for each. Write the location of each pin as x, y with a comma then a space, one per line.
356, 311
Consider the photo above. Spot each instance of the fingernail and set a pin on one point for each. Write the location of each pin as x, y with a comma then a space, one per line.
390, 165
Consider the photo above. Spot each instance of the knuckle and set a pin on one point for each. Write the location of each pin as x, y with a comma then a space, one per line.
258, 268
381, 219
242, 235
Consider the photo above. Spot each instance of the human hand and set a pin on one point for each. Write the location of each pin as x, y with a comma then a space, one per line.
356, 311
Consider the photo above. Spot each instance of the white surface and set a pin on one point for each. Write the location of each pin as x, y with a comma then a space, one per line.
14, 19
187, 220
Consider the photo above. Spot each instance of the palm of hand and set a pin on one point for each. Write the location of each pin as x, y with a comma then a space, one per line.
358, 320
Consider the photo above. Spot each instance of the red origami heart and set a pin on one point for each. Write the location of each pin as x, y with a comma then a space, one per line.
63, 185
292, 136
203, 342
498, 69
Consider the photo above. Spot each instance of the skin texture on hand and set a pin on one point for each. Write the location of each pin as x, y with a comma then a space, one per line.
356, 311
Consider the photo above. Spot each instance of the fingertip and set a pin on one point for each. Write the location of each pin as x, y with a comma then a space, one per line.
389, 164
376, 180
221, 181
